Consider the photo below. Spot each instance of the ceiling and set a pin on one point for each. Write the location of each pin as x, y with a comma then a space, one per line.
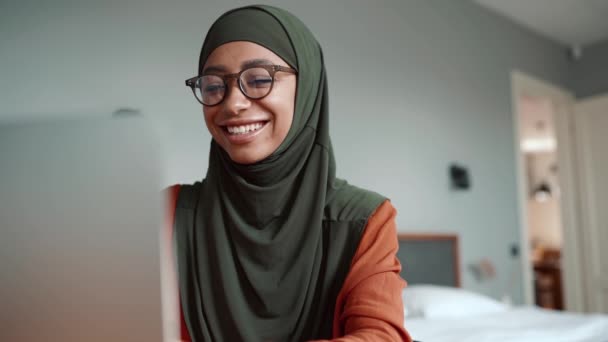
569, 22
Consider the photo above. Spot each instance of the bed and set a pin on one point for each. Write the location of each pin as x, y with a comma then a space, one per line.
437, 308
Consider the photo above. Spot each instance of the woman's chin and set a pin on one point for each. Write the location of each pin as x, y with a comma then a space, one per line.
244, 157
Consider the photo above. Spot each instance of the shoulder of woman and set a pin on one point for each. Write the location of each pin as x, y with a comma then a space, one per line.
352, 203
185, 195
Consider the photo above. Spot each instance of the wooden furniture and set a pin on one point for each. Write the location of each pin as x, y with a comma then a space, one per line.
548, 281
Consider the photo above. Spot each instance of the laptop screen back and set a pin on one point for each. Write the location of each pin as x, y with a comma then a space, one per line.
80, 213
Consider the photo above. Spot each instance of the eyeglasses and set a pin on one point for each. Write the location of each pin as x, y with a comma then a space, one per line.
255, 83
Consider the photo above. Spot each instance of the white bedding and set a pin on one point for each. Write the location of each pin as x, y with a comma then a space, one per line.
515, 324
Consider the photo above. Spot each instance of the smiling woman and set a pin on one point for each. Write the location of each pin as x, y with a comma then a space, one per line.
271, 246
251, 123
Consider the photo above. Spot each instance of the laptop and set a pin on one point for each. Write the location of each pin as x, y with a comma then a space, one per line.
81, 217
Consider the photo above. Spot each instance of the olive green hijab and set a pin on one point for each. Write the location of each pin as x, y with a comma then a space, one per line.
263, 249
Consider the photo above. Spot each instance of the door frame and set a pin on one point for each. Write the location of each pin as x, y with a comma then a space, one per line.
572, 272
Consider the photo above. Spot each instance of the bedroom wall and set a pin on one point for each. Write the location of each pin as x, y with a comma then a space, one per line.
440, 93
590, 72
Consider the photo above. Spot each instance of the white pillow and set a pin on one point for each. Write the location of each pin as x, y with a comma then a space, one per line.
432, 301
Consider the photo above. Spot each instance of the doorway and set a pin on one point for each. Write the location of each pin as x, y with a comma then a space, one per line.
539, 147
546, 193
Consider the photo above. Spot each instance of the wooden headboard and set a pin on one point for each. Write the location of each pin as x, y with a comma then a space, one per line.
430, 259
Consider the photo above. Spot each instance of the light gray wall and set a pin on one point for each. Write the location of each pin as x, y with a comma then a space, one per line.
439, 92
590, 73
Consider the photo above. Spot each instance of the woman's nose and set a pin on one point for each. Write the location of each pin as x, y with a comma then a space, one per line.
235, 100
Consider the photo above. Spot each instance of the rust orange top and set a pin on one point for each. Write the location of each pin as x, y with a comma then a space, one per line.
369, 306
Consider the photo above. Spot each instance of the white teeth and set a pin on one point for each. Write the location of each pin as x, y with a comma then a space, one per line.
244, 128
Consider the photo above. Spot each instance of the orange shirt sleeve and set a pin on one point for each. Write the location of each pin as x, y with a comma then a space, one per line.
369, 306
171, 195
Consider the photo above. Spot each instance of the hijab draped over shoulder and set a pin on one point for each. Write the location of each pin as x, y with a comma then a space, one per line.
263, 249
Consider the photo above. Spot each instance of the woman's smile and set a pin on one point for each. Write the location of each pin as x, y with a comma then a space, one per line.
243, 133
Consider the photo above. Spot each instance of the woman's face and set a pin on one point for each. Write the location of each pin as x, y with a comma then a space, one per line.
266, 121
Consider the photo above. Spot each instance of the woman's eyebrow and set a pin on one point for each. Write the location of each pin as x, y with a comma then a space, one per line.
255, 62
246, 64
214, 68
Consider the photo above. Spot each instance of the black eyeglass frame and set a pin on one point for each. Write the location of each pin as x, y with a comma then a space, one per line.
272, 70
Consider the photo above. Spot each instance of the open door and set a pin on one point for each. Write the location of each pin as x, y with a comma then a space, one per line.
591, 125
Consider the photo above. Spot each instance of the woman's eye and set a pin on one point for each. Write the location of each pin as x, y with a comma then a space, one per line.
259, 82
213, 88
